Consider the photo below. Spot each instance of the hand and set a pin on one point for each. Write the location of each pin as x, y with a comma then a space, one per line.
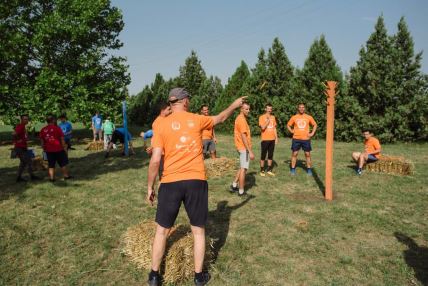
276, 141
151, 195
149, 150
251, 155
238, 102
142, 134
215, 140
311, 135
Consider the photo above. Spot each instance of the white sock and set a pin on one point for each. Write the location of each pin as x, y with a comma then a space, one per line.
241, 191
234, 184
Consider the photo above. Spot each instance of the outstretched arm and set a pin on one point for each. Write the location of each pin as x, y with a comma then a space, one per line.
225, 114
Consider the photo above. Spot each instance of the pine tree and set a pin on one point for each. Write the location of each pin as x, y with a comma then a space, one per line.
192, 75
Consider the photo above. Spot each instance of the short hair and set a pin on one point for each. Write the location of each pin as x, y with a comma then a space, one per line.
63, 116
204, 105
246, 103
268, 105
24, 115
50, 118
301, 103
366, 130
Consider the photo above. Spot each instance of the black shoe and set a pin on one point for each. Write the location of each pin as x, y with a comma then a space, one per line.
35, 178
20, 179
243, 194
205, 278
154, 280
106, 155
68, 178
52, 180
233, 189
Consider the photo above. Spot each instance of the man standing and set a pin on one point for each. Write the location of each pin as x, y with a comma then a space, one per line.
298, 125
97, 122
66, 128
208, 136
371, 152
267, 124
54, 145
20, 138
243, 145
108, 129
179, 136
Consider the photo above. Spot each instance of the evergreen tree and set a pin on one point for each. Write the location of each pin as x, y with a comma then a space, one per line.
192, 75
209, 92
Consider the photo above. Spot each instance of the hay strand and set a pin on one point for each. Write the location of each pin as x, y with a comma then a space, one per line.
39, 164
219, 166
391, 165
95, 146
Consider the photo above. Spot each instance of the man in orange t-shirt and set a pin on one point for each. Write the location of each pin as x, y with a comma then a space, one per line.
179, 136
371, 152
301, 137
208, 136
243, 145
267, 124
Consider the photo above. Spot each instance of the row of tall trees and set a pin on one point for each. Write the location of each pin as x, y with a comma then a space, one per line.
385, 91
56, 56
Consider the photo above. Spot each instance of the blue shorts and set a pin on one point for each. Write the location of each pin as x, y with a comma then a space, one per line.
371, 158
297, 144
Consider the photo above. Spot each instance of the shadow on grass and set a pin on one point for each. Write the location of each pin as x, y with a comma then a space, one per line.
415, 256
219, 223
85, 168
302, 165
250, 180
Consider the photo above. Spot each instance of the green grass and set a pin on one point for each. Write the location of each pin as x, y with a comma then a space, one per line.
375, 232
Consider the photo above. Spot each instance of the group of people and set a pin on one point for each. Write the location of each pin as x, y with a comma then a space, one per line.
54, 141
180, 141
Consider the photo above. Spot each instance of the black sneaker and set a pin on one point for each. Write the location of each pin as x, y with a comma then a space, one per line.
154, 280
233, 189
52, 180
68, 178
205, 278
20, 180
35, 178
106, 155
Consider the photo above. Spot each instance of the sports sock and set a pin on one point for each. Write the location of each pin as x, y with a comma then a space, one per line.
241, 191
235, 184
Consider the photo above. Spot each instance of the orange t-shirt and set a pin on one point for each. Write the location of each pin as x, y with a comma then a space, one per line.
269, 133
301, 124
372, 145
241, 126
157, 122
180, 136
208, 134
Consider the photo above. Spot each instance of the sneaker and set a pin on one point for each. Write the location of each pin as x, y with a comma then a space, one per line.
241, 194
20, 179
52, 180
154, 280
68, 178
359, 172
205, 278
293, 171
270, 173
233, 189
263, 174
35, 178
309, 172
106, 155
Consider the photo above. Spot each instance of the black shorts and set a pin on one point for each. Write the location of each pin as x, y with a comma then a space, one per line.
267, 146
117, 136
296, 144
57, 157
194, 195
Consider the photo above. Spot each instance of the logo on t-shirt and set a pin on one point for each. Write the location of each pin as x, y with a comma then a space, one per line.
301, 123
190, 123
175, 125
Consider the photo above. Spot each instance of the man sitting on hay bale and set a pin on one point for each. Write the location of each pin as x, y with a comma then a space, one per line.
179, 136
371, 151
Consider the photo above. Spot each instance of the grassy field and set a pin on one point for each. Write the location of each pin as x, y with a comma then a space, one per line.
375, 232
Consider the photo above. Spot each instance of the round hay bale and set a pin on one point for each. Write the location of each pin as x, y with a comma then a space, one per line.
178, 258
219, 166
391, 165
95, 146
39, 164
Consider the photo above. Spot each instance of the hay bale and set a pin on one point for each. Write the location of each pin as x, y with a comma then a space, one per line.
178, 259
391, 165
95, 146
39, 164
219, 166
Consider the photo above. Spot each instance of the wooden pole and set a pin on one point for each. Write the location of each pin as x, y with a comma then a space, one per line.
330, 93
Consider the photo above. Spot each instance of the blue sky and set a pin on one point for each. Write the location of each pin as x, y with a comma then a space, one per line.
159, 35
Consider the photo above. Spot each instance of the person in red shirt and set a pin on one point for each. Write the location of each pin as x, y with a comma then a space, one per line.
20, 138
371, 152
54, 145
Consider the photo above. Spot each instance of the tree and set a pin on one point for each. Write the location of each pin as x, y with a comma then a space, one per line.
192, 75
57, 56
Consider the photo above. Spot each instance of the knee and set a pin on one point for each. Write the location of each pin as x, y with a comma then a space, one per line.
162, 231
198, 230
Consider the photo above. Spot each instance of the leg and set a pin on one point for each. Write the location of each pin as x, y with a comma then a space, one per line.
271, 148
198, 247
22, 161
263, 156
158, 249
94, 133
51, 172
362, 160
294, 159
308, 160
242, 178
356, 156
